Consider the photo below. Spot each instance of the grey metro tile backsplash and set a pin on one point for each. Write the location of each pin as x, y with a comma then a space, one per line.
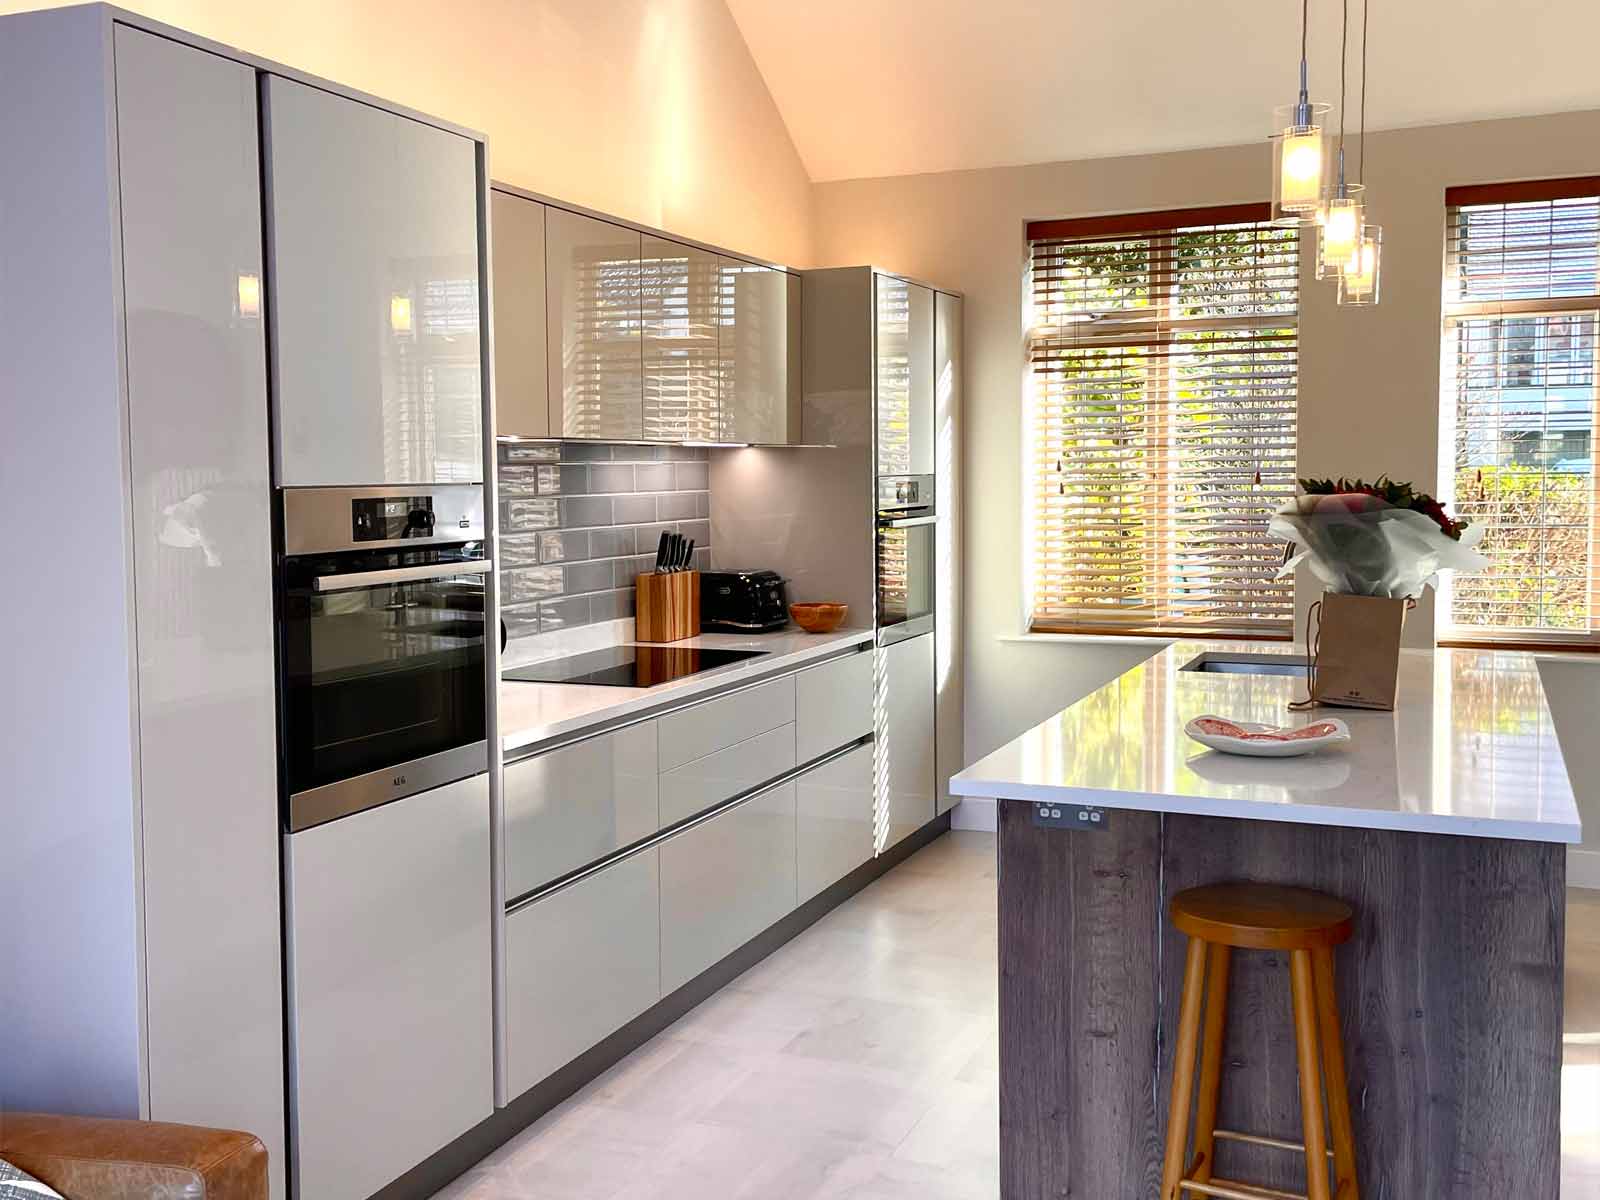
578, 520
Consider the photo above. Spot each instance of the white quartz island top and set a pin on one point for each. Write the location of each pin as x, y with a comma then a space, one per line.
530, 713
1470, 749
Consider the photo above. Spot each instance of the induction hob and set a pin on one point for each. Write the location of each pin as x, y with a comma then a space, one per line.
629, 666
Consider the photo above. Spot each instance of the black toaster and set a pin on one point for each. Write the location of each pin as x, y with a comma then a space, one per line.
743, 601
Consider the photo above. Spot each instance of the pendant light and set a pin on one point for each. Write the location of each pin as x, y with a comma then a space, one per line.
1299, 150
1358, 282
1342, 218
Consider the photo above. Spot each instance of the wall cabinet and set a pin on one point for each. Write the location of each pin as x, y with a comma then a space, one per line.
581, 963
594, 313
679, 285
833, 820
389, 987
521, 368
573, 806
724, 881
373, 233
759, 393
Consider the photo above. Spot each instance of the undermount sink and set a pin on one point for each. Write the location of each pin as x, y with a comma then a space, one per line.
1214, 664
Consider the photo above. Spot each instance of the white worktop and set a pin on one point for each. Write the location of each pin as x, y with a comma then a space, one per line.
538, 712
1470, 749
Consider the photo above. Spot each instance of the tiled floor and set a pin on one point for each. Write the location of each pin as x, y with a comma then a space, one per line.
859, 1062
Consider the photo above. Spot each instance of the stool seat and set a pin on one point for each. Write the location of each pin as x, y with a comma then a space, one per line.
1262, 916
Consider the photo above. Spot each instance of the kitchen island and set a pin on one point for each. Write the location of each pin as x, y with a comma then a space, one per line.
1444, 824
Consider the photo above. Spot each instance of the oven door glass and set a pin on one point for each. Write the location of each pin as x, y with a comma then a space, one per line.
380, 674
905, 574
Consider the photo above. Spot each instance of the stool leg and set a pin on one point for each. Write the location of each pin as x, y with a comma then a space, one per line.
1305, 1041
1194, 978
1205, 1121
1335, 1082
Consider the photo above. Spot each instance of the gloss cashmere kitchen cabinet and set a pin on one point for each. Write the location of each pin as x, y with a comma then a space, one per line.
373, 233
521, 368
594, 317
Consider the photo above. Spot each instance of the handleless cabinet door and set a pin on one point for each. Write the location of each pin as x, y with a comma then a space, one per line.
202, 550
724, 881
568, 807
904, 764
904, 371
833, 805
759, 346
521, 371
833, 705
593, 307
947, 549
679, 290
390, 1019
373, 234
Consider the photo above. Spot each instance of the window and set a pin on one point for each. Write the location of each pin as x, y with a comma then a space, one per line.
1521, 302
1163, 360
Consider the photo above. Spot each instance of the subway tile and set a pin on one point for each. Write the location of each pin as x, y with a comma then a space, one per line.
580, 511
624, 569
691, 476
587, 577
641, 454
702, 504
647, 537
565, 479
586, 452
611, 543
522, 514
520, 550
676, 506
611, 606
563, 546
518, 481
702, 558
700, 531
648, 547
611, 477
527, 452
530, 583
563, 614
633, 510
521, 620
688, 453
654, 477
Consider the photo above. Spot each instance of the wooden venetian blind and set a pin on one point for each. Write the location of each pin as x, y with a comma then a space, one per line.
1163, 356
1521, 303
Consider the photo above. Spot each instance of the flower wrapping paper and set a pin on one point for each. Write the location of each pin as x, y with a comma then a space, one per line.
1360, 545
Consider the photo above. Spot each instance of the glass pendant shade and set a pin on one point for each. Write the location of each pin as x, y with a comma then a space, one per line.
1299, 163
1358, 284
1340, 234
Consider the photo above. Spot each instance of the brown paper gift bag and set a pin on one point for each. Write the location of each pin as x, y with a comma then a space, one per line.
1356, 650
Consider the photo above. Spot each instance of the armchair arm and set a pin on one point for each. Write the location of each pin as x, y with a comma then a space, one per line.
95, 1158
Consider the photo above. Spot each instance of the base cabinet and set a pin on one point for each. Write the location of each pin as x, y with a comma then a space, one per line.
391, 1041
580, 963
724, 881
833, 820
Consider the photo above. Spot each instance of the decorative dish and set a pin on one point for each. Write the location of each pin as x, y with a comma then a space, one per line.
1266, 741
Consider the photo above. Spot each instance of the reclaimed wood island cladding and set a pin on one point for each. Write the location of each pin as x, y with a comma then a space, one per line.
1449, 993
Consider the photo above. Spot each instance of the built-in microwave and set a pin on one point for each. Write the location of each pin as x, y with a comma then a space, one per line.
381, 654
905, 557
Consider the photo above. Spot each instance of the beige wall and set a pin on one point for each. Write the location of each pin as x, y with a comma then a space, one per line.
1369, 390
649, 109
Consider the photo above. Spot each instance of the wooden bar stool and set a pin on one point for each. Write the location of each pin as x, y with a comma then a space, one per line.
1253, 916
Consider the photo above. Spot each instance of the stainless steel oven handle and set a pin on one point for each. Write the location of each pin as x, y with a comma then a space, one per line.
909, 522
361, 579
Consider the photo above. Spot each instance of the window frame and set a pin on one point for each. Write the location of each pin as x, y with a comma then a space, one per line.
1160, 328
1452, 313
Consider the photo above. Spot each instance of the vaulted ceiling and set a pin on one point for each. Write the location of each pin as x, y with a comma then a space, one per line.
892, 87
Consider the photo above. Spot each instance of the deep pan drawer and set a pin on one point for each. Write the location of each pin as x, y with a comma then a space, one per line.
696, 786
833, 705
712, 725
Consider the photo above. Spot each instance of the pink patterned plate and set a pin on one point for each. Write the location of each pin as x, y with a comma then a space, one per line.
1265, 741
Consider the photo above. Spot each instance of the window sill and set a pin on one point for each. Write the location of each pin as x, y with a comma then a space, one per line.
1090, 639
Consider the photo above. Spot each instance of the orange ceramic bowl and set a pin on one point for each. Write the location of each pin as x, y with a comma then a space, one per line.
819, 618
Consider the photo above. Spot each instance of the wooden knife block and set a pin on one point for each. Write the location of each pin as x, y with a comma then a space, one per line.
666, 607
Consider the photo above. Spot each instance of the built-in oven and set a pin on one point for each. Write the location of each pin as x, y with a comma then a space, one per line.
905, 557
381, 653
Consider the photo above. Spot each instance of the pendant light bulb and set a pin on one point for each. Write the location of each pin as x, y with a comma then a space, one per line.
1341, 230
1358, 282
1299, 152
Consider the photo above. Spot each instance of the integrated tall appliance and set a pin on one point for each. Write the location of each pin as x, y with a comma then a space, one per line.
905, 551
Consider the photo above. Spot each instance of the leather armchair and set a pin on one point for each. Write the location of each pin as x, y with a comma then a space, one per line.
94, 1158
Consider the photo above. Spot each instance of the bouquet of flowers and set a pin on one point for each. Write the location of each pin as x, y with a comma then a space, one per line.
1374, 539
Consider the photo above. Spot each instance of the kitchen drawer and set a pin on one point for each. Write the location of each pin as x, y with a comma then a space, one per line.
724, 881
696, 786
833, 805
580, 963
712, 725
568, 807
833, 705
